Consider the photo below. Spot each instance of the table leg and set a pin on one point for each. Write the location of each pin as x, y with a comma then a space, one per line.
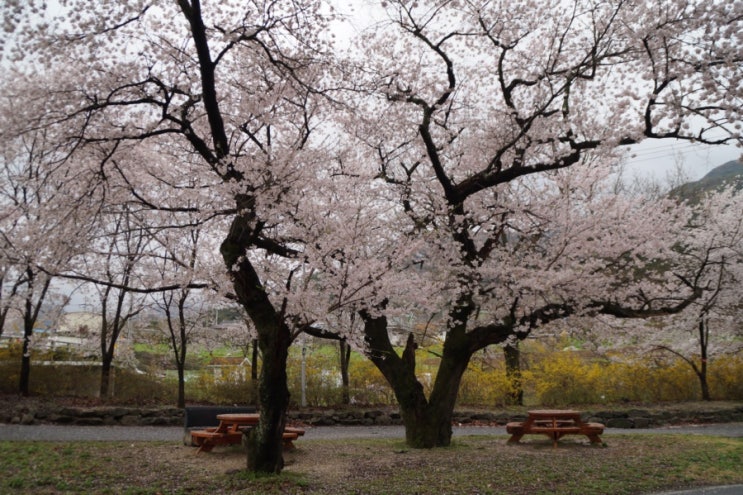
515, 438
594, 438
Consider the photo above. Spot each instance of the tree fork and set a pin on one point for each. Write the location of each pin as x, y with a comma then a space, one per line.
427, 422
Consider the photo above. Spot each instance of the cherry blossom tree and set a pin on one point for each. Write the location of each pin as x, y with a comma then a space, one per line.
490, 122
34, 208
184, 308
114, 264
234, 86
475, 191
712, 248
180, 324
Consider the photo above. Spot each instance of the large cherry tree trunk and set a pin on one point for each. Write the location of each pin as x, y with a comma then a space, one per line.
427, 421
264, 442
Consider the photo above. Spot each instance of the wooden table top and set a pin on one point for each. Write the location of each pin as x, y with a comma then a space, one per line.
242, 418
554, 413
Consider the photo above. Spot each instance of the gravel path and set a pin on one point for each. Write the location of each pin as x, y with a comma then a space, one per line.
173, 433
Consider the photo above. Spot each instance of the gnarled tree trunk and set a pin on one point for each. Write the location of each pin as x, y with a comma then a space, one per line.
264, 443
427, 421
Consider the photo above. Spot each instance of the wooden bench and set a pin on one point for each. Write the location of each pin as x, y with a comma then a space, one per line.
554, 424
206, 440
231, 429
205, 417
291, 433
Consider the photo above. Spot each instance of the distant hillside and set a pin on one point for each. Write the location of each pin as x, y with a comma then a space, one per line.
727, 173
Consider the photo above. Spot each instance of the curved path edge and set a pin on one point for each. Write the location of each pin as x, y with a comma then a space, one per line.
45, 432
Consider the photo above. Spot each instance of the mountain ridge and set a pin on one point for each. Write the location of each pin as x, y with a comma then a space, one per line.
728, 173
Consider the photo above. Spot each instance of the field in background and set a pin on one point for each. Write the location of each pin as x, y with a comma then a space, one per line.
552, 375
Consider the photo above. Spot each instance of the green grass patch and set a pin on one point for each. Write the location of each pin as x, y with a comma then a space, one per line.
629, 464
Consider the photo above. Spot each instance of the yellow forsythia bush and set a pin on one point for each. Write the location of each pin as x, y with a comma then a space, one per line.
553, 374
559, 375
368, 386
483, 385
726, 378
564, 378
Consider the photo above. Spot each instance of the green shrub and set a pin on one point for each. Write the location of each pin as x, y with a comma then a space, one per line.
550, 377
228, 385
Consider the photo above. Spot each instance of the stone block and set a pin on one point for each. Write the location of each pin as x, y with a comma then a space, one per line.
130, 420
61, 419
641, 422
89, 421
638, 413
383, 420
153, 421
619, 423
110, 421
321, 421
71, 411
117, 412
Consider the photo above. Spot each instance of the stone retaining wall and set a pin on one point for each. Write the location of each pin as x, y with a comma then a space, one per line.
633, 418
170, 416
94, 416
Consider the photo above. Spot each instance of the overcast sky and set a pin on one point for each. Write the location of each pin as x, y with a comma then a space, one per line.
658, 158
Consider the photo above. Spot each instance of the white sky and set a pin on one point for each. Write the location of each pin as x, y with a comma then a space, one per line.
656, 159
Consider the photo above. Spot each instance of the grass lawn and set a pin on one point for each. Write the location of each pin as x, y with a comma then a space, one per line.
628, 464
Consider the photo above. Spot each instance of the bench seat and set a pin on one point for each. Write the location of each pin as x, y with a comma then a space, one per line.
515, 427
208, 438
564, 430
554, 430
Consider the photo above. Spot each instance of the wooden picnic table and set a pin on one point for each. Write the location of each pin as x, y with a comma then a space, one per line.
238, 420
555, 423
230, 431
